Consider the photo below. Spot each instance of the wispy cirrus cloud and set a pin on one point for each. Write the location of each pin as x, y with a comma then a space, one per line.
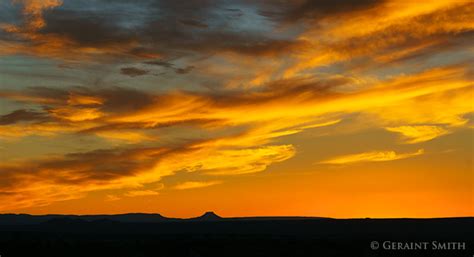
390, 29
196, 184
128, 169
416, 134
238, 132
141, 193
374, 156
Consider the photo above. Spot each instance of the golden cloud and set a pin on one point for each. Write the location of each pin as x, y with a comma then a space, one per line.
389, 31
196, 184
417, 134
375, 156
136, 193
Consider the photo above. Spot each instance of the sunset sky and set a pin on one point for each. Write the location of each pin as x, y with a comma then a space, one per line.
342, 108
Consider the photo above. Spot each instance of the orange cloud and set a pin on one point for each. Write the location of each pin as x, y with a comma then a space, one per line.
33, 13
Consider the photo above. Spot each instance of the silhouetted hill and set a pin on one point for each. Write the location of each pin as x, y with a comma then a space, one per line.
208, 216
26, 219
130, 217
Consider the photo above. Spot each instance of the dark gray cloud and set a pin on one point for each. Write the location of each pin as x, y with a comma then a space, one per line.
194, 23
184, 70
160, 63
168, 65
21, 115
85, 28
133, 72
112, 99
294, 11
150, 28
127, 31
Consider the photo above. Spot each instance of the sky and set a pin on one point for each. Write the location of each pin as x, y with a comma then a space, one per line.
338, 108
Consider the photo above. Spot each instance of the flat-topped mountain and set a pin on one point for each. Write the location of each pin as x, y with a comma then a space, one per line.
27, 219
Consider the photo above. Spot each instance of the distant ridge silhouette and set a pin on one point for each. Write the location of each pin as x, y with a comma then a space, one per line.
27, 219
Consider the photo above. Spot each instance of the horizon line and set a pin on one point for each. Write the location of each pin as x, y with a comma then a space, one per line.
233, 217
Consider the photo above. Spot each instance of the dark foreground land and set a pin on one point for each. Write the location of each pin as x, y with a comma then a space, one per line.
148, 235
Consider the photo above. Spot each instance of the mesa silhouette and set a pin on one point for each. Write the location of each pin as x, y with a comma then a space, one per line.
27, 219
